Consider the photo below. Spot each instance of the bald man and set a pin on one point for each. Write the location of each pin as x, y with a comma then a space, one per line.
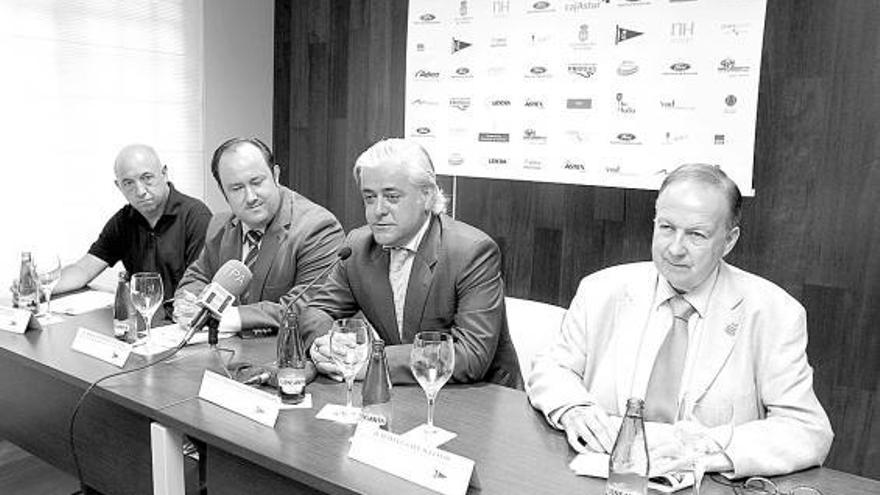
159, 230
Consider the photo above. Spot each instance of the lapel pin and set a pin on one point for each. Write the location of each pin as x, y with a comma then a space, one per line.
731, 329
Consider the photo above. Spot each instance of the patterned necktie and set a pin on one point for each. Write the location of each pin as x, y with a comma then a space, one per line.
661, 401
252, 239
399, 281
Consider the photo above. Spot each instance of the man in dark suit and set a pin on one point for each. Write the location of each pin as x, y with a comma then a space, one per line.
413, 268
285, 239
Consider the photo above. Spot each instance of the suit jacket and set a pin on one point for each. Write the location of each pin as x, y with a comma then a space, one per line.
757, 359
300, 242
455, 286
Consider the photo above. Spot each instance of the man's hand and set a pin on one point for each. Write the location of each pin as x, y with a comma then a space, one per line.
588, 427
323, 358
185, 308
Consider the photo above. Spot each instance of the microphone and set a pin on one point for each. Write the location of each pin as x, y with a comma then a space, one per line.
341, 255
228, 283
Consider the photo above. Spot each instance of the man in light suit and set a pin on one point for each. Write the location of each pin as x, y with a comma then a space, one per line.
412, 269
743, 339
285, 239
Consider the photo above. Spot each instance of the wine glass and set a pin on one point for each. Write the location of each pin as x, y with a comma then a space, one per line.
349, 347
703, 427
146, 295
48, 268
432, 359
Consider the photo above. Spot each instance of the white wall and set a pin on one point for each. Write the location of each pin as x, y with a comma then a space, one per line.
239, 77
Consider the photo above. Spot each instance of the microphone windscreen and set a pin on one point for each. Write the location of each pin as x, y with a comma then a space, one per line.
344, 253
234, 276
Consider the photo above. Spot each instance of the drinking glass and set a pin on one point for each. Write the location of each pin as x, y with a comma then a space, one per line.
432, 359
349, 347
703, 427
49, 272
146, 295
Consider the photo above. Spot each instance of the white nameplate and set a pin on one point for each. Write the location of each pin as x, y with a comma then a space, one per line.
432, 468
101, 346
14, 320
239, 398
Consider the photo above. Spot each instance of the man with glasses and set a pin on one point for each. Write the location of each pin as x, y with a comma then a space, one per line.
687, 324
285, 239
160, 229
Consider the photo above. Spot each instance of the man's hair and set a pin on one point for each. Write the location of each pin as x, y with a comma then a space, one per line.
413, 156
235, 142
710, 175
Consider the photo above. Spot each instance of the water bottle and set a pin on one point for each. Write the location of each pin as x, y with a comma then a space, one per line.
376, 392
124, 315
628, 466
291, 360
28, 284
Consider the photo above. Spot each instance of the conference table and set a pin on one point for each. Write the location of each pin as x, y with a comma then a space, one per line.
514, 450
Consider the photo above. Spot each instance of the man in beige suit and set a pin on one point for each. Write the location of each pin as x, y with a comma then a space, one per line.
739, 337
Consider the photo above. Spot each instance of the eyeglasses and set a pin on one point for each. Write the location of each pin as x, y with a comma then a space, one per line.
130, 185
758, 485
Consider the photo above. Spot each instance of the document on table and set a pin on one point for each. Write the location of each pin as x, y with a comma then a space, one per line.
595, 464
83, 302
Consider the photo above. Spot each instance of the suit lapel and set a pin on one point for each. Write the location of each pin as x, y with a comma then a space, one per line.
379, 295
230, 245
721, 328
420, 279
631, 319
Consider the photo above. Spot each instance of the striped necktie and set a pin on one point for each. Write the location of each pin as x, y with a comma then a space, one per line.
661, 401
252, 241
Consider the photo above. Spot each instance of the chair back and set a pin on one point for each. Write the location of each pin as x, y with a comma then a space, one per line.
531, 324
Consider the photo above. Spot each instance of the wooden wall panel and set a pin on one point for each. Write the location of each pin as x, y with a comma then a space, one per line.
813, 227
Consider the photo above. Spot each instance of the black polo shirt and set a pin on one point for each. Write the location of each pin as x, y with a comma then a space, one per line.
168, 248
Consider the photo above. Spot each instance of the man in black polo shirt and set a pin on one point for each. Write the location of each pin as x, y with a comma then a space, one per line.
160, 230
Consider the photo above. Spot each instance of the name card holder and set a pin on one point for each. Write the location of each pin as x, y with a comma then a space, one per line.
101, 346
429, 467
16, 320
239, 398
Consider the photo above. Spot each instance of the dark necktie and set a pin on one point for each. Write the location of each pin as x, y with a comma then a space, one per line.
661, 401
252, 239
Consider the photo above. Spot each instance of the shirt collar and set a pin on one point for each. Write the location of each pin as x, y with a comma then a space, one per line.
698, 298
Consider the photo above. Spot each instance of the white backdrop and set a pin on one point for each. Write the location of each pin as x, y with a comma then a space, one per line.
601, 92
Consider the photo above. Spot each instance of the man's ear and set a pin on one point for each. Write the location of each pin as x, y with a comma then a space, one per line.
730, 240
276, 173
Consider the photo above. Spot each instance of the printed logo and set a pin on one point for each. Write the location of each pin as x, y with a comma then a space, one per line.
455, 159
624, 34
680, 69
499, 71
463, 17
627, 138
624, 107
671, 138
540, 7
496, 161
427, 75
423, 102
500, 8
427, 18
574, 165
579, 103
730, 100
420, 47
682, 32
537, 72
498, 42
531, 136
674, 104
424, 131
577, 137
460, 103
582, 38
459, 45
627, 68
498, 103
582, 70
729, 66
534, 103
462, 73
735, 29
720, 139
575, 7
538, 39
533, 164
493, 137
630, 3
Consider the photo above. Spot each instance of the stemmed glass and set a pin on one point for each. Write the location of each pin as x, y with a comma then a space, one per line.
49, 272
432, 360
146, 295
703, 427
349, 347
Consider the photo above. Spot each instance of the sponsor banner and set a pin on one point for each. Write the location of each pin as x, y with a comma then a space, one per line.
601, 92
